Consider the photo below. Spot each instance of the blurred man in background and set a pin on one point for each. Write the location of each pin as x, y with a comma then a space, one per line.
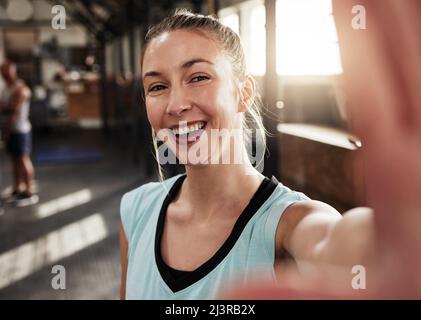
16, 131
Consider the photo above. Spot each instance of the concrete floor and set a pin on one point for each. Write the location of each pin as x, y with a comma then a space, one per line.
75, 224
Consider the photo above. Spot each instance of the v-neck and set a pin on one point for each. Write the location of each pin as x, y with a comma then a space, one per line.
186, 279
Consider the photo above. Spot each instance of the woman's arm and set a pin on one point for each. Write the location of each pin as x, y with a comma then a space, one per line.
124, 246
315, 233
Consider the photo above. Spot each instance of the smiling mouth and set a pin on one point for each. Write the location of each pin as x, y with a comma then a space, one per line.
189, 134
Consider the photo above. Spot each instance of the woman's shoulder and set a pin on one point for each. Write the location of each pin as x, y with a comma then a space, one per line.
149, 190
283, 198
286, 195
144, 199
280, 199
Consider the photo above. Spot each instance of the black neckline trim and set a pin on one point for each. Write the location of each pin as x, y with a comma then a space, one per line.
186, 278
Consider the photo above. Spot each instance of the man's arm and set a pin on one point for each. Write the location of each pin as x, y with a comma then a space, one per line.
124, 247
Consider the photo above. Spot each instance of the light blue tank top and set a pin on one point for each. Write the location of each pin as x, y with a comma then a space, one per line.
247, 254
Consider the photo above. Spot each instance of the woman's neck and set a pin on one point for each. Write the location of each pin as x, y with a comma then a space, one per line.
211, 188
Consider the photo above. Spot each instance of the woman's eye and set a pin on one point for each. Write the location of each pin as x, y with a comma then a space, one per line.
156, 88
199, 78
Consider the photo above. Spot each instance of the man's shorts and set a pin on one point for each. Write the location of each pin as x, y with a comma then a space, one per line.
19, 144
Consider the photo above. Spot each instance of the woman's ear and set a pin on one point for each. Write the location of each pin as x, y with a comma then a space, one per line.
247, 93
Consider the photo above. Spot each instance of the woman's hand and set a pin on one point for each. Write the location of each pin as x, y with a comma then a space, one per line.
382, 73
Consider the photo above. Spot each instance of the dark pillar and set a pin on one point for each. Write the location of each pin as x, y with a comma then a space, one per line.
271, 87
104, 88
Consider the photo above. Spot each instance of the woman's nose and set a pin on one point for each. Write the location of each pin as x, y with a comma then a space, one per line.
177, 104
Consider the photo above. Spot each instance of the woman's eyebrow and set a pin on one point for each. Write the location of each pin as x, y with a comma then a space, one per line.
185, 65
152, 74
191, 62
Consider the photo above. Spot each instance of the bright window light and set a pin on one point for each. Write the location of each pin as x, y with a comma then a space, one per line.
252, 31
307, 42
256, 53
232, 20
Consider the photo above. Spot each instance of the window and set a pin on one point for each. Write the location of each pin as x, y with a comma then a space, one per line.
306, 36
256, 48
252, 31
231, 20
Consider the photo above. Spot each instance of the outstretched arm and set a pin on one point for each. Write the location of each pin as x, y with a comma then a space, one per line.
314, 233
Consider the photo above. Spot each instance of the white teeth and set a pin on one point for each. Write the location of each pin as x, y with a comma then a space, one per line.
189, 129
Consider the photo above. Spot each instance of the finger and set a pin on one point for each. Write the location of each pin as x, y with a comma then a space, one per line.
406, 25
368, 85
381, 63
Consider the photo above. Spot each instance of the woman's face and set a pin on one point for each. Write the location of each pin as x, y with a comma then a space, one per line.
189, 86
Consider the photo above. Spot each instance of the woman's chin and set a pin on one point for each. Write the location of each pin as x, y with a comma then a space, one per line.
192, 160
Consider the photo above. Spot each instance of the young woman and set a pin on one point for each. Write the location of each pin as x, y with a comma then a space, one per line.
191, 236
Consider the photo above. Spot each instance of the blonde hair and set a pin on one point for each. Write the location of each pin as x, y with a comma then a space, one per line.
230, 43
